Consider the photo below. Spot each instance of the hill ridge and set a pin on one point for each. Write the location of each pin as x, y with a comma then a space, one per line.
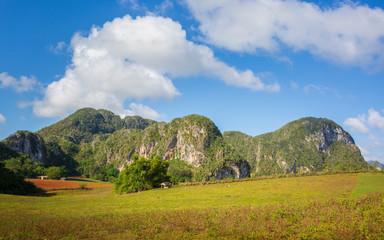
91, 141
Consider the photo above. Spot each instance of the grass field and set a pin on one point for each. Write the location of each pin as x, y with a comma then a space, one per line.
316, 207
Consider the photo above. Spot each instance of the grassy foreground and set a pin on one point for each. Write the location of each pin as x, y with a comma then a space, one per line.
320, 207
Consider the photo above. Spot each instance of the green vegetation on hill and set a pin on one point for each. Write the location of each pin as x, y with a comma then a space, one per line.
180, 171
304, 145
19, 164
6, 152
94, 142
85, 124
74, 141
136, 122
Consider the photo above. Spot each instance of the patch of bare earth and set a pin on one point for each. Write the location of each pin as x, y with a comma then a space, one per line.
60, 184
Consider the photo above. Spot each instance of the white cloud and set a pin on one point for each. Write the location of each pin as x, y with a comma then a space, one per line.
375, 119
356, 125
58, 48
2, 119
371, 143
134, 59
371, 151
23, 104
349, 34
141, 110
24, 84
163, 7
133, 3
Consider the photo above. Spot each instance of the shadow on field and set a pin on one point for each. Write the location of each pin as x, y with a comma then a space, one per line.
42, 193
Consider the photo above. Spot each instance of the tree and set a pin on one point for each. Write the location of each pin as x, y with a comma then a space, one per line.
56, 172
24, 166
112, 174
142, 175
11, 183
180, 171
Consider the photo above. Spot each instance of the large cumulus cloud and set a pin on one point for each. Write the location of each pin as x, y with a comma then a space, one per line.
347, 34
131, 59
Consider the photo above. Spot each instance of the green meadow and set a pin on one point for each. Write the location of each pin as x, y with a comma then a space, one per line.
341, 206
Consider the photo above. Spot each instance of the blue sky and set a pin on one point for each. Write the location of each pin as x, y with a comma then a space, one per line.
249, 65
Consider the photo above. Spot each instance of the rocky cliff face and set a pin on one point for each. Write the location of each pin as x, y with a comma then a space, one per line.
194, 139
329, 134
240, 169
28, 143
189, 139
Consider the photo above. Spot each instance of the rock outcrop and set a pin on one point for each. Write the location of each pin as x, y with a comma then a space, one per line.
28, 143
193, 139
329, 134
240, 169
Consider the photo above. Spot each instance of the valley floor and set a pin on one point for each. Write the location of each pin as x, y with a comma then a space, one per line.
341, 206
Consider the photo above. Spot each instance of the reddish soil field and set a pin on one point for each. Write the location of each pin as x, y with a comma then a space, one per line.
59, 184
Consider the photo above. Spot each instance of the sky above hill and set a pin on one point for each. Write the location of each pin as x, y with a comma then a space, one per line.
249, 65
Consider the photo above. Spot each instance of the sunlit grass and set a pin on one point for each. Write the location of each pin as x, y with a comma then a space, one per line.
369, 182
297, 207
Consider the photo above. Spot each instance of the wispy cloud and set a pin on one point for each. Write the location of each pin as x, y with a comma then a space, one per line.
164, 7
59, 48
24, 84
133, 4
2, 119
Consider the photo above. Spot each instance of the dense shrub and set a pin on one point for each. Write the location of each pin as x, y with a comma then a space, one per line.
56, 172
24, 166
11, 183
142, 174
180, 171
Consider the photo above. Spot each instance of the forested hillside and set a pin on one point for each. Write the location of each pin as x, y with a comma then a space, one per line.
304, 145
97, 143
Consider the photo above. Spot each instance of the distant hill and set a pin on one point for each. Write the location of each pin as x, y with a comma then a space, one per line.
85, 124
304, 145
92, 142
379, 166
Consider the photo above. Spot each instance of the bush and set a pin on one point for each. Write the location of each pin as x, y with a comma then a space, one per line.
24, 166
11, 183
142, 175
180, 171
56, 172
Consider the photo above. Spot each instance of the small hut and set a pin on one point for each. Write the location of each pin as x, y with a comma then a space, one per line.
43, 177
166, 185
